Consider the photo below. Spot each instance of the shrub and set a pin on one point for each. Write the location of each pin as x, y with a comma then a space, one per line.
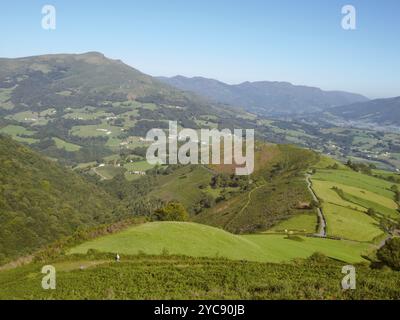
389, 254
173, 211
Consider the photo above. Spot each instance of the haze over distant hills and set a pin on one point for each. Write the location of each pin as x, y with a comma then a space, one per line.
94, 104
80, 108
379, 111
266, 97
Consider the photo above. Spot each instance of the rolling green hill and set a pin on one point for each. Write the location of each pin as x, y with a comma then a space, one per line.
196, 240
74, 79
41, 201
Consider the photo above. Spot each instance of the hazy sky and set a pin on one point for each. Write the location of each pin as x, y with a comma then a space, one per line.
300, 41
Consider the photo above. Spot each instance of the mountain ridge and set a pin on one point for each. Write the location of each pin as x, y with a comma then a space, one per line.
378, 111
265, 97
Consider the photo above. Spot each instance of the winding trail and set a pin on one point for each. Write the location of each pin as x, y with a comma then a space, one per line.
249, 198
99, 174
213, 172
246, 204
322, 222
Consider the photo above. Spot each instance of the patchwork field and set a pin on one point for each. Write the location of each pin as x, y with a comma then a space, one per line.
61, 144
33, 118
86, 114
350, 224
108, 171
358, 180
138, 166
347, 196
19, 134
101, 130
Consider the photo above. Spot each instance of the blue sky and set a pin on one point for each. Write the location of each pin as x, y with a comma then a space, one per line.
300, 41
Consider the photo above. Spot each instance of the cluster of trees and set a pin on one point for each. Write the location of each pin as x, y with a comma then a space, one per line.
335, 166
392, 178
224, 180
59, 247
396, 191
172, 211
367, 169
206, 201
183, 116
389, 254
163, 169
143, 126
361, 167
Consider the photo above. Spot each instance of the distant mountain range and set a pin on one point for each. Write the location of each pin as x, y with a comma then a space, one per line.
95, 104
92, 79
266, 98
379, 111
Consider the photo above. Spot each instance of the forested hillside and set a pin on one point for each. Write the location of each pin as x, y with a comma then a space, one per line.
42, 201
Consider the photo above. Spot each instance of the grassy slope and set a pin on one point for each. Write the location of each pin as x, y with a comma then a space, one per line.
108, 172
279, 186
350, 224
358, 180
61, 144
182, 185
203, 241
170, 277
19, 133
303, 223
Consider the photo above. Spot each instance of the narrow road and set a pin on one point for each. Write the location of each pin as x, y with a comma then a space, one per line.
99, 174
322, 221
